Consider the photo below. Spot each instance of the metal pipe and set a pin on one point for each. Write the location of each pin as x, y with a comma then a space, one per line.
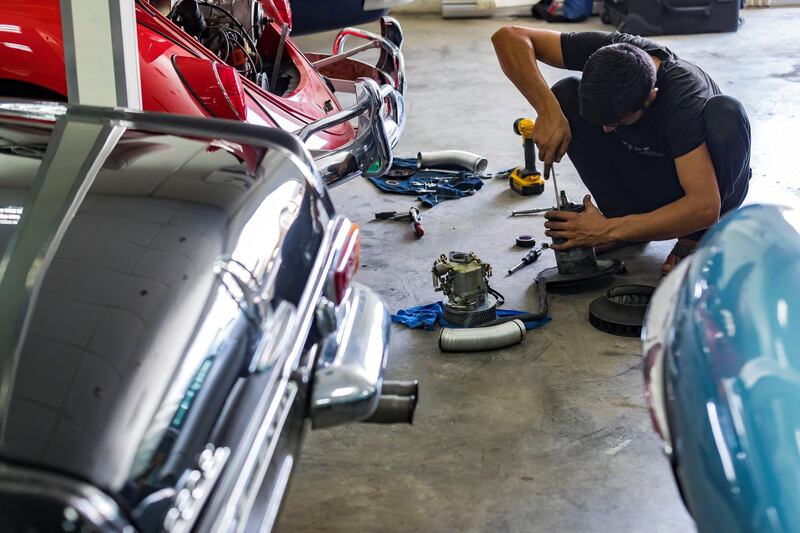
452, 159
401, 388
394, 409
481, 339
330, 60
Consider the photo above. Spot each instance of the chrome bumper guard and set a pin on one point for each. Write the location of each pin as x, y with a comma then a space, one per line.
349, 372
380, 104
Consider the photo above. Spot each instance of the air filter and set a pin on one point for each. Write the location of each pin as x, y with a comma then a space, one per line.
621, 310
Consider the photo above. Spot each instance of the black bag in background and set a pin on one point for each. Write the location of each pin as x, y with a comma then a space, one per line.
664, 17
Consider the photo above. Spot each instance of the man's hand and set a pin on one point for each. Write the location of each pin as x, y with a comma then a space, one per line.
589, 228
518, 50
552, 136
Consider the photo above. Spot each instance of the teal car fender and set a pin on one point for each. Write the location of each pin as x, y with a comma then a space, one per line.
731, 374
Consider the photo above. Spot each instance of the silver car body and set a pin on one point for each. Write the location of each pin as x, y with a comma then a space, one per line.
167, 286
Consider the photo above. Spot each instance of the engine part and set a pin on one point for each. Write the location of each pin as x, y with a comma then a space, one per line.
576, 265
621, 310
455, 159
526, 241
529, 258
464, 279
397, 403
482, 339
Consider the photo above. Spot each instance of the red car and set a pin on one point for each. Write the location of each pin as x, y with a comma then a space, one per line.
234, 59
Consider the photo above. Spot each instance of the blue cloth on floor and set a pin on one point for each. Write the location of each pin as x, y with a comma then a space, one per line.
458, 185
426, 316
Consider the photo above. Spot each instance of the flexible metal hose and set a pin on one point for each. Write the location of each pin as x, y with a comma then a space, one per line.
480, 339
458, 159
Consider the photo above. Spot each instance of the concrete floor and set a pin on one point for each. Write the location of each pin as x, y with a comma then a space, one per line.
551, 434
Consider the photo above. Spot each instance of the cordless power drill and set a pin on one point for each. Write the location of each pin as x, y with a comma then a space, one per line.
526, 180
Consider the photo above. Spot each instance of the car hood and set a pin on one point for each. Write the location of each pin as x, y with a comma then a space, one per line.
742, 307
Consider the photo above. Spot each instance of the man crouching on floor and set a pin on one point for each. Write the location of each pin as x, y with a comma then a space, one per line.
662, 151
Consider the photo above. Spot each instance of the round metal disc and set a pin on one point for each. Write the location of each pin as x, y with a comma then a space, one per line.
621, 310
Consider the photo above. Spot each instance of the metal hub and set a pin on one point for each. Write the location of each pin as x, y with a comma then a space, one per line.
602, 267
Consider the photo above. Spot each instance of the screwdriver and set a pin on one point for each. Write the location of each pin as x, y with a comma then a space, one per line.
532, 211
412, 214
529, 258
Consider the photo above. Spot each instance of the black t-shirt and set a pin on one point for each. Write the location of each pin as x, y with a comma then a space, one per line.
673, 125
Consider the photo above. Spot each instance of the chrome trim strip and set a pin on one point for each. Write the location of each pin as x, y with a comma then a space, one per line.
94, 505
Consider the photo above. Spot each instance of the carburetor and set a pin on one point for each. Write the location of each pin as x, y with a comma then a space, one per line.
464, 279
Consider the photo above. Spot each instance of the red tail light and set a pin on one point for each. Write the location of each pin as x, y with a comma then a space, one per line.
217, 86
347, 263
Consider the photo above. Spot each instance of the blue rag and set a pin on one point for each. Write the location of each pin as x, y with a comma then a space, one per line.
426, 316
458, 185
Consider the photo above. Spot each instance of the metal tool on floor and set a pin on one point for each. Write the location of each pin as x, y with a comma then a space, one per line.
412, 215
526, 180
464, 279
576, 265
531, 211
529, 258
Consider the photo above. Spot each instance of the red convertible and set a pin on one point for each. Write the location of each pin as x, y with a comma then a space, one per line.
233, 59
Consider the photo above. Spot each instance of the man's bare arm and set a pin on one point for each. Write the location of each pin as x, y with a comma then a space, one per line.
518, 50
698, 209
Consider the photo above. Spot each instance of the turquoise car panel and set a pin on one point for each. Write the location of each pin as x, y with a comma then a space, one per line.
733, 374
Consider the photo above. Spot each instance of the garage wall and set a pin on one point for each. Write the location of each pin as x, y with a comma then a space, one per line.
420, 6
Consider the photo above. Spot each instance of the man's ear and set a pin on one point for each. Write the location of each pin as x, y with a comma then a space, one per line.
651, 97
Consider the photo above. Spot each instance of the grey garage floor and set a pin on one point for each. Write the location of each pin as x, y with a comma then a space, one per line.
552, 434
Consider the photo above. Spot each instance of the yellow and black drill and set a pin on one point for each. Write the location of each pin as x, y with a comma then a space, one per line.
526, 180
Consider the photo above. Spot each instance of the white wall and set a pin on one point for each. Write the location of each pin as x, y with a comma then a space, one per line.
420, 6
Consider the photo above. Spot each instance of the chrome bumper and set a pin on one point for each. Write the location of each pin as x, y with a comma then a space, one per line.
380, 106
349, 372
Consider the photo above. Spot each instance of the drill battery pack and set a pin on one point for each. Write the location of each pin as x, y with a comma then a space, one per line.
526, 183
